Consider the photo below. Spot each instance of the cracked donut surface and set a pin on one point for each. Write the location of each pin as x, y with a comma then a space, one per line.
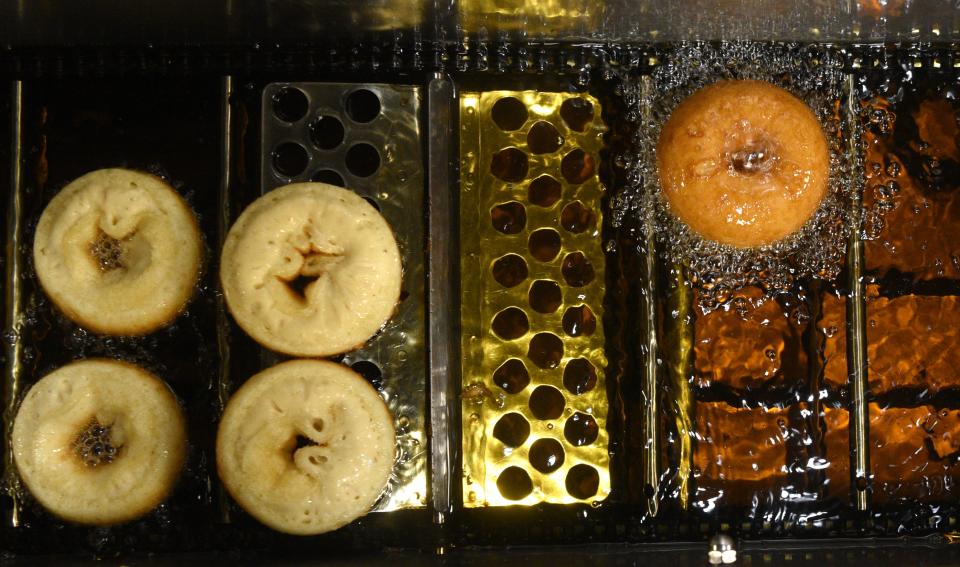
310, 269
744, 163
306, 446
118, 251
99, 441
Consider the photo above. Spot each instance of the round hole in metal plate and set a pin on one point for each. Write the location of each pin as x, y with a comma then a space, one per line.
290, 104
370, 371
290, 159
326, 132
363, 160
363, 105
328, 176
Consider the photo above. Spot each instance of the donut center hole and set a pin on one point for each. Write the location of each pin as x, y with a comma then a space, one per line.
315, 264
752, 158
94, 447
107, 252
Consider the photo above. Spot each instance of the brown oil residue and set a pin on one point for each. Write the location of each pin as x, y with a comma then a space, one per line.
512, 430
510, 270
546, 455
509, 218
544, 191
512, 376
544, 244
546, 402
545, 296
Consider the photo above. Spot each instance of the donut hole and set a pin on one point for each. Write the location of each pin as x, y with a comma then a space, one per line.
576, 217
107, 252
514, 483
315, 264
94, 447
752, 157
545, 350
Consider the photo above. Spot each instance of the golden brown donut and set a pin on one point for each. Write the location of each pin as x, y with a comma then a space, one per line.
118, 251
744, 163
99, 441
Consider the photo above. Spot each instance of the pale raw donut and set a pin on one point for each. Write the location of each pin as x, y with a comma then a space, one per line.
306, 446
99, 441
118, 251
744, 163
332, 243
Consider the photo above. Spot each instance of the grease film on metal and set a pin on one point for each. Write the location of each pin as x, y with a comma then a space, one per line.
532, 271
366, 137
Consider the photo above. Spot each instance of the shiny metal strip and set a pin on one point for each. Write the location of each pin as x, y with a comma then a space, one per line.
14, 293
856, 313
440, 97
651, 472
224, 384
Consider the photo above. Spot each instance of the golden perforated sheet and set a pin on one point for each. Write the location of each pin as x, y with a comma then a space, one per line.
534, 392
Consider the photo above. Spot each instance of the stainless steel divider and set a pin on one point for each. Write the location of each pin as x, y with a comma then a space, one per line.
856, 311
12, 302
440, 316
651, 473
224, 216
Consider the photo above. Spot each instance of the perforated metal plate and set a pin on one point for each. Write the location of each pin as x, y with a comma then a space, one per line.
309, 116
534, 394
